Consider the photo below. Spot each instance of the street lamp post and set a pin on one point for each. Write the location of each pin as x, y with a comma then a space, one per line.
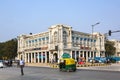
92, 32
93, 27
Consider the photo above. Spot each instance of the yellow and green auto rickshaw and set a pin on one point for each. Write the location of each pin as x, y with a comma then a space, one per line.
67, 63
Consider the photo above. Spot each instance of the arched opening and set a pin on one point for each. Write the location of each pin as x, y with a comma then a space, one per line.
55, 57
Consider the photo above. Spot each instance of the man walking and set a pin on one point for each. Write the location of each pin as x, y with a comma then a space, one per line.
22, 63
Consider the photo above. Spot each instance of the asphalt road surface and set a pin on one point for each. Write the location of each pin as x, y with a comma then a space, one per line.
40, 73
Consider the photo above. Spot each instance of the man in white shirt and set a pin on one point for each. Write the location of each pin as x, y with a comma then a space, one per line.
22, 63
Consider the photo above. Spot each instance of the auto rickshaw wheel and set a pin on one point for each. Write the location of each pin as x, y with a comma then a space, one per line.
68, 70
74, 70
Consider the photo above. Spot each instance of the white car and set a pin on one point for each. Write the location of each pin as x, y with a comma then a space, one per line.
1, 65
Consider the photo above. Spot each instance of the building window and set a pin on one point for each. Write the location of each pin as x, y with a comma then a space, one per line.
43, 40
47, 40
65, 38
55, 37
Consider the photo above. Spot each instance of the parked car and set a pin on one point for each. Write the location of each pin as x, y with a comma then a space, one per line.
1, 64
8, 63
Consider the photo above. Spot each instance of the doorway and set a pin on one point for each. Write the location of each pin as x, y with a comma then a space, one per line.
55, 57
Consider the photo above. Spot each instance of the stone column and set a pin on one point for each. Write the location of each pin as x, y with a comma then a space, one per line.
71, 53
45, 57
50, 56
86, 56
34, 57
58, 56
25, 57
41, 57
28, 57
38, 57
83, 54
31, 58
18, 56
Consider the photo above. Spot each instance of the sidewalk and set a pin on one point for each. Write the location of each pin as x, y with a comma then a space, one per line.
112, 67
38, 64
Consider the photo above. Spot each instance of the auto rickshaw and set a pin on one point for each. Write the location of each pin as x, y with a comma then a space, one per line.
67, 63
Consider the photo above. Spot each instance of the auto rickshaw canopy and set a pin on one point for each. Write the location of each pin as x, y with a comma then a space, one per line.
66, 55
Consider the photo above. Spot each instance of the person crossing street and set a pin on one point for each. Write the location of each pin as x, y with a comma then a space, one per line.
22, 63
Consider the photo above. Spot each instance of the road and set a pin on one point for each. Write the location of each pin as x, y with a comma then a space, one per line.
41, 73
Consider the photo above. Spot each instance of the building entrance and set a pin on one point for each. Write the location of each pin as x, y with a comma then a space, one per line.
55, 57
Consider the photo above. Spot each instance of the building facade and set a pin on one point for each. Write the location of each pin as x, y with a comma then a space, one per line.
117, 46
49, 46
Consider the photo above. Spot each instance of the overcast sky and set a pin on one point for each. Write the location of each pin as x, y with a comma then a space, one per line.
24, 16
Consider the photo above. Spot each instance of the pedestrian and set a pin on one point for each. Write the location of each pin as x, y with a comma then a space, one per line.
22, 64
11, 63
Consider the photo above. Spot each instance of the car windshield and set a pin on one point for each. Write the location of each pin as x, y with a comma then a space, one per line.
1, 60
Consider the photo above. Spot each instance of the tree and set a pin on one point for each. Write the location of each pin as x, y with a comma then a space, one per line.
8, 49
11, 49
110, 49
1, 50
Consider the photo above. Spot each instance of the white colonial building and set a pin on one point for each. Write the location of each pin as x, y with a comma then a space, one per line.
47, 46
117, 46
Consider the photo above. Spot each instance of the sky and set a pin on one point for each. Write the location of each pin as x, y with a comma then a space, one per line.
35, 16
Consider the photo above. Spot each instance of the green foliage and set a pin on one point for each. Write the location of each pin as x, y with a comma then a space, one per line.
110, 49
8, 49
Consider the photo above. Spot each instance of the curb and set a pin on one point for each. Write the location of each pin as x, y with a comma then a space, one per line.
78, 65
54, 66
88, 65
